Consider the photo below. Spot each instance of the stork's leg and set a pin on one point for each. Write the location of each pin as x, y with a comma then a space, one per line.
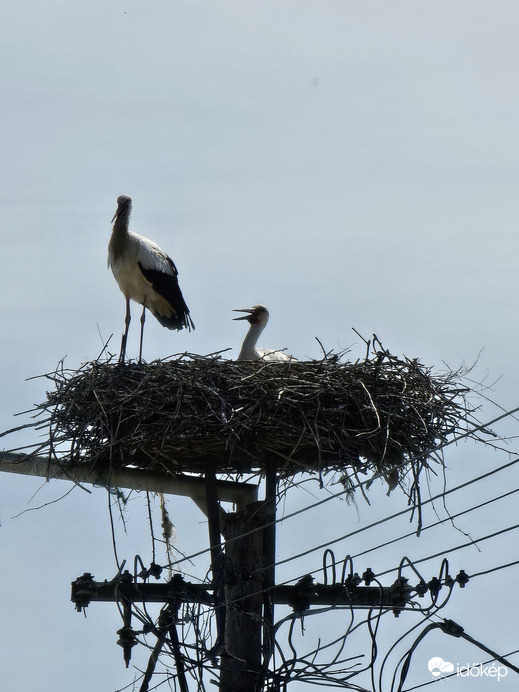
127, 321
143, 318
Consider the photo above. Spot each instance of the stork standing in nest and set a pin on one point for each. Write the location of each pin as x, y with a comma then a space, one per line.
257, 317
145, 274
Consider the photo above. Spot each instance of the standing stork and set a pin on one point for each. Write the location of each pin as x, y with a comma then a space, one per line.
258, 316
145, 274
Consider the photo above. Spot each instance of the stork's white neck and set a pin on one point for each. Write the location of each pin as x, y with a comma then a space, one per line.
248, 349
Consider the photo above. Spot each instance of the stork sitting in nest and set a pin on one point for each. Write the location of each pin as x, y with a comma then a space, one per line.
258, 316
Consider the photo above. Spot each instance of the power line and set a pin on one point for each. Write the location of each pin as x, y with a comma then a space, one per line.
366, 482
452, 628
425, 559
452, 550
430, 557
437, 523
357, 531
388, 518
494, 569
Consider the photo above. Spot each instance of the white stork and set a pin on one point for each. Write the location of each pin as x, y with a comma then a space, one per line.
258, 316
144, 274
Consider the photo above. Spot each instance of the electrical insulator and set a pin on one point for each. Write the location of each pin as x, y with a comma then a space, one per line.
434, 586
368, 576
462, 578
421, 588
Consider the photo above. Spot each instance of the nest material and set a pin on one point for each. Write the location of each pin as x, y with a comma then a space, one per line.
195, 413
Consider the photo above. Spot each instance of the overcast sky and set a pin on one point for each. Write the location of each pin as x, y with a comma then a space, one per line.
347, 164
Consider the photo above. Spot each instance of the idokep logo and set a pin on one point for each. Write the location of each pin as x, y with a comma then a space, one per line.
437, 666
478, 670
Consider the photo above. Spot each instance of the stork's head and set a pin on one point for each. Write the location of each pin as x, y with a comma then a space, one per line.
124, 207
256, 315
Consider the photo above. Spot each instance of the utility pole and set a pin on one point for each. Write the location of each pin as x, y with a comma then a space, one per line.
242, 592
241, 659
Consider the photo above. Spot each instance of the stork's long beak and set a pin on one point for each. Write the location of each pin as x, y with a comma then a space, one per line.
249, 312
123, 208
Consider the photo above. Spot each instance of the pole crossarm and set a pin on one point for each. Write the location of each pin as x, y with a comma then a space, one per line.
299, 596
240, 494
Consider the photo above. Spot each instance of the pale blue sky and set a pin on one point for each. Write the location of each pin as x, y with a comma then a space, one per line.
348, 164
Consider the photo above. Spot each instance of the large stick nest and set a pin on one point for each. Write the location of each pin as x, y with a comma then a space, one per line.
382, 415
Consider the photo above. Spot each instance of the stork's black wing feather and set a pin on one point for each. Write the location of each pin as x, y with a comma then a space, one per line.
167, 286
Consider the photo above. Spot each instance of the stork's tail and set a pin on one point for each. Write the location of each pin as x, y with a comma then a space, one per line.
178, 322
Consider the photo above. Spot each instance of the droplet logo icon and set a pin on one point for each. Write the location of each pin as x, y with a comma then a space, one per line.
437, 666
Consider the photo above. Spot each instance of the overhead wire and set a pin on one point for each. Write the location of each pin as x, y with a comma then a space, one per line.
464, 545
449, 582
438, 523
452, 628
494, 569
355, 532
351, 533
446, 582
306, 656
455, 548
441, 553
427, 615
406, 634
418, 561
